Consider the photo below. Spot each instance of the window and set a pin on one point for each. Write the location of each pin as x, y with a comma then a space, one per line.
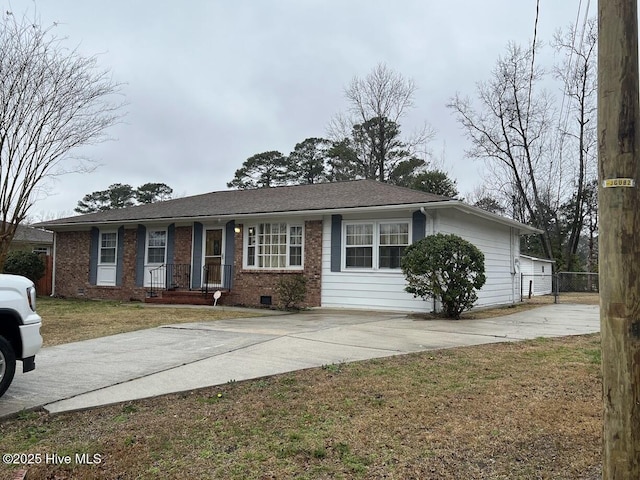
156, 246
295, 246
108, 243
359, 246
274, 245
394, 238
106, 272
375, 245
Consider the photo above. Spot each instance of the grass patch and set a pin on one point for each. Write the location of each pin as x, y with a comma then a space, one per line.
513, 410
72, 320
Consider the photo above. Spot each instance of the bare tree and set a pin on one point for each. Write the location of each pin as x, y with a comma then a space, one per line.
577, 128
510, 130
52, 100
372, 123
540, 158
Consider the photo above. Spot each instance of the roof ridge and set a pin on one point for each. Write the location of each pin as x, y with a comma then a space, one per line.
401, 187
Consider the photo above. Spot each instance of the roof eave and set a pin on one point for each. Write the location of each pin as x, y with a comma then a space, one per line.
470, 209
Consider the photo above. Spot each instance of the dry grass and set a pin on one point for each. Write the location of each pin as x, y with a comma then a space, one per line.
568, 297
67, 320
504, 411
526, 304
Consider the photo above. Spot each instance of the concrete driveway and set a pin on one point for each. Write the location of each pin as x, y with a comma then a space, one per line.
182, 357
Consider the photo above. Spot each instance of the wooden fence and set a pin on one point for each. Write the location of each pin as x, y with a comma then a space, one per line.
44, 286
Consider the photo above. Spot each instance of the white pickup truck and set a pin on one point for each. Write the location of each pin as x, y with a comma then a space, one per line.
19, 327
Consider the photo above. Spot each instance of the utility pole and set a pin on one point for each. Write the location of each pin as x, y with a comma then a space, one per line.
619, 235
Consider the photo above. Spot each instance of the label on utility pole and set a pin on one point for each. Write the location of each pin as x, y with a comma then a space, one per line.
619, 182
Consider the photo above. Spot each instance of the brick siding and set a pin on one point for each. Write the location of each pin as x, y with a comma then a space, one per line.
72, 268
183, 242
73, 254
250, 284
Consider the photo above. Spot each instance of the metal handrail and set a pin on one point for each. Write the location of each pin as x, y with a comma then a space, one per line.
172, 276
216, 277
152, 282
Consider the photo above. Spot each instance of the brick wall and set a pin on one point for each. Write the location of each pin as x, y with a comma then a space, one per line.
72, 263
183, 241
249, 285
72, 268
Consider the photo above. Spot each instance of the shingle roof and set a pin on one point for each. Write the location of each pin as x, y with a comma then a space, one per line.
321, 196
26, 234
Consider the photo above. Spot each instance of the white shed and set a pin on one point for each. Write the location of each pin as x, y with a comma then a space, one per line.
537, 275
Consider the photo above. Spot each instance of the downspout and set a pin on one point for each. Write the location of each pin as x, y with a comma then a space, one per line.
424, 212
513, 266
53, 265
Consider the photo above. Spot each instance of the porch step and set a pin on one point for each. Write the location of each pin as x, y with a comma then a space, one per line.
184, 297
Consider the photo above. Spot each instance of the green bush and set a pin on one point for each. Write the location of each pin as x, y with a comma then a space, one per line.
291, 291
27, 264
447, 268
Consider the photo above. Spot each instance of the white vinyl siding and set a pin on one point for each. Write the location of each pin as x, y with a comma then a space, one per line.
537, 274
373, 288
383, 288
500, 246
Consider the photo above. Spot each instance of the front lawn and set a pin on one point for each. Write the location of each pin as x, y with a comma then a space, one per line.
502, 411
71, 320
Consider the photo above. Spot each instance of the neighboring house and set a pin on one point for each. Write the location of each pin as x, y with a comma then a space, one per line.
537, 275
32, 240
346, 238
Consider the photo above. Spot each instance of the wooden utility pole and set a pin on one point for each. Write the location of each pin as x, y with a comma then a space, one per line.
619, 235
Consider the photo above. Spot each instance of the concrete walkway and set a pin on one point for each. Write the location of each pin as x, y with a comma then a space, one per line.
182, 357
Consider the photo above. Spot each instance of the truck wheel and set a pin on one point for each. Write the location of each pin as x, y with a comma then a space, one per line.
7, 365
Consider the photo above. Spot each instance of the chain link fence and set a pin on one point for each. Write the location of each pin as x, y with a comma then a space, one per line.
567, 287
535, 285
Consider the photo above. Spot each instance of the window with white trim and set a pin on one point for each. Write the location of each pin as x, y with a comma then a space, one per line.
156, 246
393, 240
375, 245
359, 245
107, 258
274, 246
108, 246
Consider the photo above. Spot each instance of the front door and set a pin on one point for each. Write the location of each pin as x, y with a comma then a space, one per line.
212, 257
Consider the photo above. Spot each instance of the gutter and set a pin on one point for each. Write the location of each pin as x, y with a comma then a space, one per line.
423, 207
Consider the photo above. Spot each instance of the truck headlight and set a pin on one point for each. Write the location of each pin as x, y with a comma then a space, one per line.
31, 296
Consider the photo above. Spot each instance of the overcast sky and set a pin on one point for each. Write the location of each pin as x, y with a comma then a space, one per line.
209, 82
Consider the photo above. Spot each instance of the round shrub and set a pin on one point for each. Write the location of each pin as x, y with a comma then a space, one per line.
27, 264
445, 267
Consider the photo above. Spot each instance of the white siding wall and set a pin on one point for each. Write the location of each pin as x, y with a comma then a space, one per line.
498, 243
385, 290
539, 273
370, 290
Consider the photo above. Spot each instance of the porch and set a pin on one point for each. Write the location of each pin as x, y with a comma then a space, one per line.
172, 284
